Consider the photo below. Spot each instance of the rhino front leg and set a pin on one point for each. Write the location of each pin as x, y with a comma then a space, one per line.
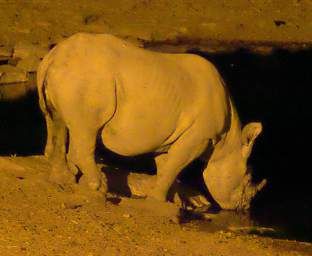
81, 155
188, 147
160, 161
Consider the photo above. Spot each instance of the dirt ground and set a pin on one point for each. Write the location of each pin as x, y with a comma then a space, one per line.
40, 218
227, 23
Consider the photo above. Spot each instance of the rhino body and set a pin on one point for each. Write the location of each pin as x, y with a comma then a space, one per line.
138, 101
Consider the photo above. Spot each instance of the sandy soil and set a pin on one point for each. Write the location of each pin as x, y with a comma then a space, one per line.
40, 218
241, 22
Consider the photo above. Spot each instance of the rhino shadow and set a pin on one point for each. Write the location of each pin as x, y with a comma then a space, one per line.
119, 170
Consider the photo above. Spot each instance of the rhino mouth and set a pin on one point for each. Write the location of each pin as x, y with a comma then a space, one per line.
237, 198
248, 191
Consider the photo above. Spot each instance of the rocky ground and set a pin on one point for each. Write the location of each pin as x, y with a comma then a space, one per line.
39, 218
29, 28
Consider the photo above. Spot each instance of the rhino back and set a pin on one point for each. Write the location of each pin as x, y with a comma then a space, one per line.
145, 99
159, 96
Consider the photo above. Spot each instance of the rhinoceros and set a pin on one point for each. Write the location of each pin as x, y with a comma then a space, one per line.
136, 101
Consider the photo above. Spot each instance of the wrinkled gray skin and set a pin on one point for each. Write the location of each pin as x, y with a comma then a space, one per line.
140, 101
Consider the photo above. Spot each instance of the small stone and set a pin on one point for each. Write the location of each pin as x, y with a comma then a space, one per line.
135, 41
207, 216
189, 208
174, 220
183, 30
10, 74
228, 235
177, 200
126, 215
200, 201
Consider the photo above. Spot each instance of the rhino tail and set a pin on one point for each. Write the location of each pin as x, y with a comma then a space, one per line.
42, 83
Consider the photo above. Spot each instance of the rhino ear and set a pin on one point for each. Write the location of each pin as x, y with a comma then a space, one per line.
249, 134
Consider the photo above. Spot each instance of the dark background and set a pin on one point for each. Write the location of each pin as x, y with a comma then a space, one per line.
273, 89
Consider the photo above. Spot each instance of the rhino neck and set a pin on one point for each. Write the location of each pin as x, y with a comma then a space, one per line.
230, 139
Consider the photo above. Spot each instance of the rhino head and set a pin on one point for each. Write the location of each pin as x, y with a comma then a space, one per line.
227, 176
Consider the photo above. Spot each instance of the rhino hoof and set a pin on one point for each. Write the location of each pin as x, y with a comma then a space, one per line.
61, 177
98, 184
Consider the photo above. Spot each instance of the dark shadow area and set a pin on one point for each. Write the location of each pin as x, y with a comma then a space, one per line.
22, 127
275, 90
142, 163
117, 180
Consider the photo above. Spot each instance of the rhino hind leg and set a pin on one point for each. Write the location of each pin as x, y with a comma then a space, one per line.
48, 150
82, 143
57, 152
188, 147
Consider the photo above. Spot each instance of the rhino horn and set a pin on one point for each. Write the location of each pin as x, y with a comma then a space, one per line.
261, 185
254, 189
